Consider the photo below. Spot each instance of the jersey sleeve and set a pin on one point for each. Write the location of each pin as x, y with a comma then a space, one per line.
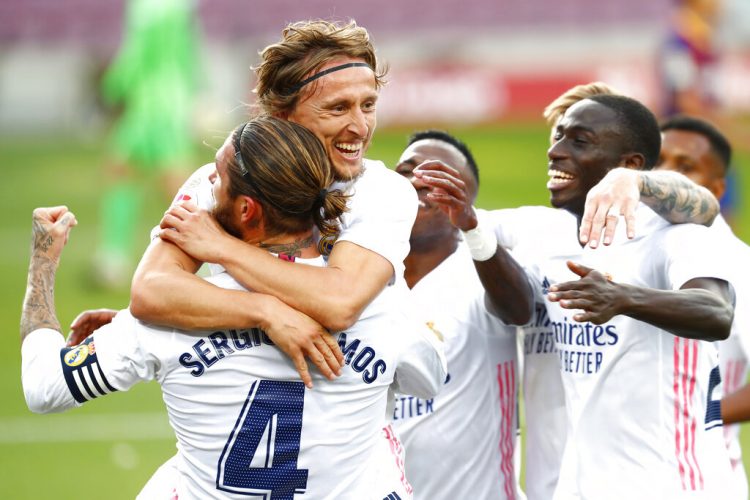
422, 367
538, 282
694, 251
56, 378
198, 189
381, 213
530, 231
42, 378
503, 221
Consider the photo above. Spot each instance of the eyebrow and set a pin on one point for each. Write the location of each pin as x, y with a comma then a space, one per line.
409, 161
348, 98
579, 128
684, 156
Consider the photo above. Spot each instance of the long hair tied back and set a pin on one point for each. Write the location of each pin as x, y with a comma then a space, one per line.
285, 168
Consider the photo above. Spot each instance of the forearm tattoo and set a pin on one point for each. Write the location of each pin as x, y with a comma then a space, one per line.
39, 303
677, 199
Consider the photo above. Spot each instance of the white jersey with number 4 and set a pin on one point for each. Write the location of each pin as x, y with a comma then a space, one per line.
245, 423
643, 405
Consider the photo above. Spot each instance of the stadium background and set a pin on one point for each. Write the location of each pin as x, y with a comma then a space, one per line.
482, 69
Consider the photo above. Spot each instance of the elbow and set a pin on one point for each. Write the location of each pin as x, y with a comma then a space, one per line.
144, 304
37, 402
712, 211
723, 326
437, 382
141, 307
430, 390
340, 318
515, 315
337, 312
518, 317
727, 318
37, 406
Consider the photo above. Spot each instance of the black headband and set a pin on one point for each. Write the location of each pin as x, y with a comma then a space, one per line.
296, 87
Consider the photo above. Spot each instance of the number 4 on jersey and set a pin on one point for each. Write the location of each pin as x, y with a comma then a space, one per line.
252, 465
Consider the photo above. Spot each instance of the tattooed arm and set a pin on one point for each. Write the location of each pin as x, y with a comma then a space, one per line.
676, 198
50, 229
673, 196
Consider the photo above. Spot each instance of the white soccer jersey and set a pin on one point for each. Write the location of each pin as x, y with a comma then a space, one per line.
382, 209
504, 374
455, 441
533, 233
643, 405
245, 424
734, 352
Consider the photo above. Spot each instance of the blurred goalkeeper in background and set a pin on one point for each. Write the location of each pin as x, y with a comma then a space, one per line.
153, 79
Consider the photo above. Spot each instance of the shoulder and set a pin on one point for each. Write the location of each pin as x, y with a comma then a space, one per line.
199, 175
198, 188
378, 185
377, 176
534, 229
647, 222
533, 216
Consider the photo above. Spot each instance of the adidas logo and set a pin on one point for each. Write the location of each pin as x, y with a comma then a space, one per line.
545, 286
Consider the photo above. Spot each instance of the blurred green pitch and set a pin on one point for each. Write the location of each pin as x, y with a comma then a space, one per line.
110, 447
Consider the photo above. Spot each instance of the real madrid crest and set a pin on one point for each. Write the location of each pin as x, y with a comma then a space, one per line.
77, 355
326, 242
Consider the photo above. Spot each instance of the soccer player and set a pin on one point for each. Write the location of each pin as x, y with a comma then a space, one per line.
641, 385
325, 77
528, 232
244, 422
153, 79
671, 196
459, 444
698, 150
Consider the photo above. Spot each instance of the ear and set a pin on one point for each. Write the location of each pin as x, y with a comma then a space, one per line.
634, 161
249, 210
718, 187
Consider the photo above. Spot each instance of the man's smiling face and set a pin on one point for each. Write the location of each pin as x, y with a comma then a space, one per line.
586, 145
339, 108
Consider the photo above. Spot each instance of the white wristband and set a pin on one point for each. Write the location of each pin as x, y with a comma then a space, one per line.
482, 244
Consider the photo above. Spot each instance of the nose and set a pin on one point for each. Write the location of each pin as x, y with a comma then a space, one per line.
556, 151
358, 123
213, 175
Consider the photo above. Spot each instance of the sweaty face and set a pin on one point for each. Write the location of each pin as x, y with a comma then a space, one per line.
586, 145
690, 154
224, 210
432, 222
339, 108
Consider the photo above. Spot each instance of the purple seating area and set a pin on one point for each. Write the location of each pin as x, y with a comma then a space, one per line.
99, 22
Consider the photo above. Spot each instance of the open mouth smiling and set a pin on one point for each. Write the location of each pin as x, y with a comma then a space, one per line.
558, 178
349, 148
